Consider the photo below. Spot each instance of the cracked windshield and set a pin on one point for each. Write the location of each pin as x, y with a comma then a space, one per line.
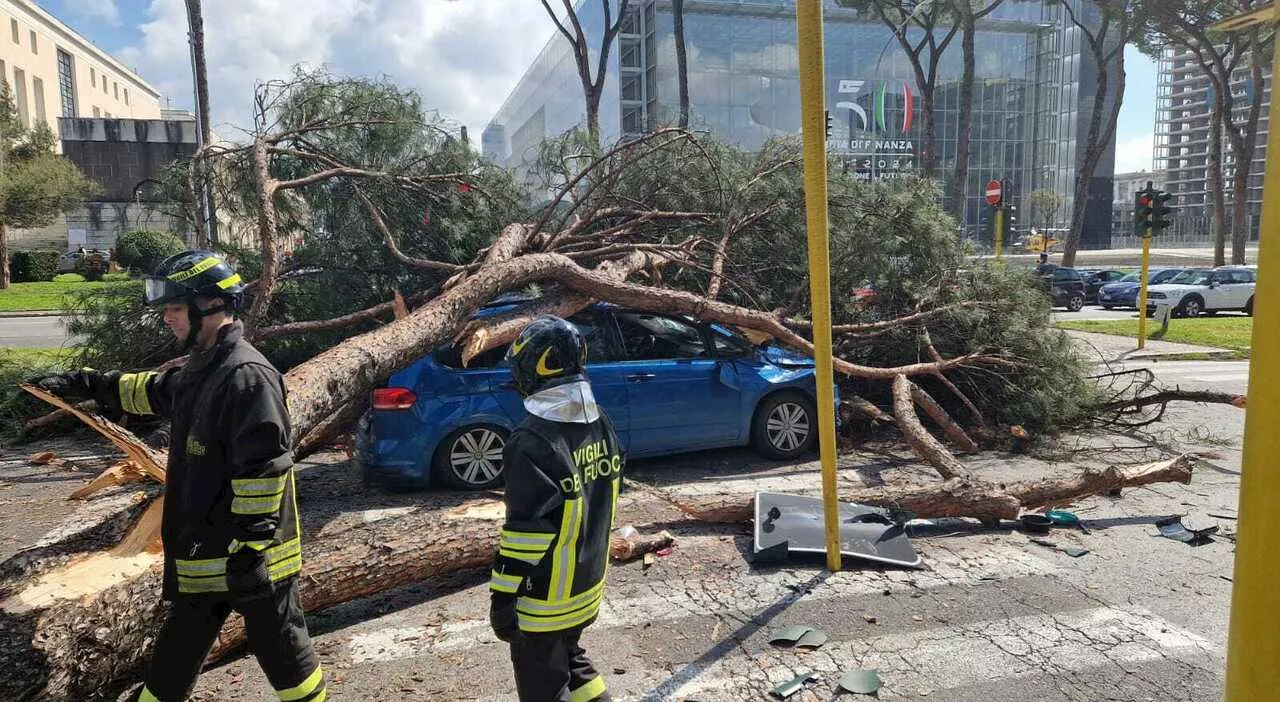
588, 350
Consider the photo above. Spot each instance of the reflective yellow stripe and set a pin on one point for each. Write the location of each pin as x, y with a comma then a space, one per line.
525, 556
593, 689
237, 545
288, 549
501, 582
195, 270
534, 624
132, 388
562, 564
536, 606
259, 487
308, 686
199, 585
228, 282
283, 569
207, 566
147, 696
525, 538
256, 505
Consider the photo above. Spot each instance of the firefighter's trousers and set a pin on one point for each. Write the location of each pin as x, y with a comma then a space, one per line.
552, 667
275, 627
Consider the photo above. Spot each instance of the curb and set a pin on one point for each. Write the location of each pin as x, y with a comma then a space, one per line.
1224, 355
32, 313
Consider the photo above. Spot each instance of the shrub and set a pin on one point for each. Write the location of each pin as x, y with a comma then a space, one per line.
33, 266
143, 250
92, 266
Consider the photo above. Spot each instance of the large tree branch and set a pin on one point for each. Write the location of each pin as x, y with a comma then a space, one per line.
920, 440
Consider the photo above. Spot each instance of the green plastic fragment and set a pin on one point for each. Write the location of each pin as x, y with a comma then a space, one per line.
812, 639
861, 682
789, 635
792, 686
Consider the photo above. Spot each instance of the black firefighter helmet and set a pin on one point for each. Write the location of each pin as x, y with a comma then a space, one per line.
192, 274
549, 352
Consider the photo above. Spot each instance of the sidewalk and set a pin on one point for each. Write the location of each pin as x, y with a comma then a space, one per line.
1109, 348
32, 313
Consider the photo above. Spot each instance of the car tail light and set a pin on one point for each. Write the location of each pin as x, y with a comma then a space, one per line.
393, 399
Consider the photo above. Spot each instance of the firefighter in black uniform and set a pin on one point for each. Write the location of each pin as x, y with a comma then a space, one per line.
230, 524
563, 468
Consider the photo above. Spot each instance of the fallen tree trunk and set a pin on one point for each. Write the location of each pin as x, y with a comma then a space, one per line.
960, 497
919, 438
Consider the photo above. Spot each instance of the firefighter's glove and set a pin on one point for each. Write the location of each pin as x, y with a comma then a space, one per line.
247, 575
84, 384
502, 617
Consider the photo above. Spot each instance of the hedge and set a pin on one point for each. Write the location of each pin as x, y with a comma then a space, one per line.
33, 266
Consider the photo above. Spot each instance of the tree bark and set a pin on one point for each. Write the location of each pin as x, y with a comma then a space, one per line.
208, 226
4, 257
266, 190
959, 497
682, 62
954, 431
1243, 142
918, 438
1217, 193
959, 181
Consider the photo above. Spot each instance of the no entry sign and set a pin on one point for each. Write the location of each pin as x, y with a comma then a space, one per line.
994, 193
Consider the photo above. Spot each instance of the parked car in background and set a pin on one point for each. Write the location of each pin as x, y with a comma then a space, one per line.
1065, 288
669, 384
1124, 292
69, 262
1197, 291
1095, 278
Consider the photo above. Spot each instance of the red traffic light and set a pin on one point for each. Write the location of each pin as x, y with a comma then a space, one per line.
1145, 200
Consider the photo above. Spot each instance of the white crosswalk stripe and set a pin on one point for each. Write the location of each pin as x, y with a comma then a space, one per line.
632, 604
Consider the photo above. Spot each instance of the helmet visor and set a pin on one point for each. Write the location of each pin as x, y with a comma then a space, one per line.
161, 290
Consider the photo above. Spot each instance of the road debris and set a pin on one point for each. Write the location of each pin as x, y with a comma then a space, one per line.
793, 686
1173, 528
861, 681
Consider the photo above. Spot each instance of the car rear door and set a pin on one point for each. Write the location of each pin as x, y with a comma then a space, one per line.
604, 369
677, 399
1238, 286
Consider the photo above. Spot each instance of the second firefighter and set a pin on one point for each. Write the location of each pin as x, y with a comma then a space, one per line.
563, 469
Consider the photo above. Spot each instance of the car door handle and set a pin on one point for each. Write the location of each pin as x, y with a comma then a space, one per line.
640, 377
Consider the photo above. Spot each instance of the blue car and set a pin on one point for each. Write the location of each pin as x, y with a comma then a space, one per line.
670, 384
1124, 292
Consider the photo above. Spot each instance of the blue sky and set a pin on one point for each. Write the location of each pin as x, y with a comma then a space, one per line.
476, 50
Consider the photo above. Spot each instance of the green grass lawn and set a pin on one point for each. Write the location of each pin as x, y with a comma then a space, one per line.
35, 358
24, 297
1223, 332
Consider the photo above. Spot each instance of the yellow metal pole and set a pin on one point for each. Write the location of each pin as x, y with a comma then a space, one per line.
1253, 646
999, 225
813, 118
1142, 289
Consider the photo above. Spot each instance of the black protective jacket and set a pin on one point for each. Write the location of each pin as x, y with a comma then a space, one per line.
562, 481
229, 484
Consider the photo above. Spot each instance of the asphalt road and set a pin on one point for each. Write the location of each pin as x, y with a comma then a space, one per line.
991, 617
33, 332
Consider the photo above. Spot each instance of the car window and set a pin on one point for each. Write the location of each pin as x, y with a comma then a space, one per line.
1131, 278
592, 325
451, 356
1065, 274
1162, 276
647, 337
729, 343
1240, 277
1192, 276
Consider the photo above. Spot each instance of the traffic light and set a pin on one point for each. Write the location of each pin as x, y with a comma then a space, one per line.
1143, 206
828, 113
1161, 215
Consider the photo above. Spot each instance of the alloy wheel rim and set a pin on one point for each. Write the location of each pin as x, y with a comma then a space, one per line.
788, 426
476, 456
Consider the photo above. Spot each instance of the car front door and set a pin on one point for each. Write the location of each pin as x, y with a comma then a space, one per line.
1217, 294
677, 397
605, 370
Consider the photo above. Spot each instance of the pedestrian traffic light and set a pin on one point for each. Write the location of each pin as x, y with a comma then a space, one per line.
1144, 205
828, 113
1162, 214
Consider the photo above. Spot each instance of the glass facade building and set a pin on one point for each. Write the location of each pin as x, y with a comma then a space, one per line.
1032, 94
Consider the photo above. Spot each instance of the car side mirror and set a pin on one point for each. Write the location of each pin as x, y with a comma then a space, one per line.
1213, 284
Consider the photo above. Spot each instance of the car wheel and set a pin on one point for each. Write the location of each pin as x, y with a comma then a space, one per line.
1248, 307
1191, 307
470, 458
785, 426
1075, 303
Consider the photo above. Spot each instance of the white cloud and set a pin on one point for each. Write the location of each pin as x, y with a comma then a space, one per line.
463, 57
1133, 153
95, 10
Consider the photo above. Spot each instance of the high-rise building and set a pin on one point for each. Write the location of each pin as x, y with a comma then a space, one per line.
54, 72
1031, 102
1183, 101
